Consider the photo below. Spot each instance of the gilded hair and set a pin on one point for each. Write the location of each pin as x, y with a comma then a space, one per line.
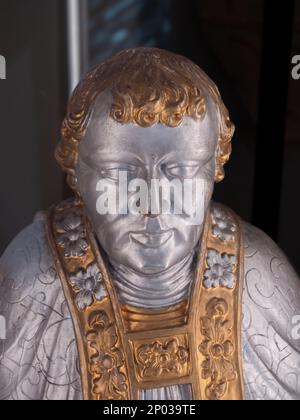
148, 86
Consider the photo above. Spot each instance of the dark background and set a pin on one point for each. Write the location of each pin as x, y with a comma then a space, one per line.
245, 46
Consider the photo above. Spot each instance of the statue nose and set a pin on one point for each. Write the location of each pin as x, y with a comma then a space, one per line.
153, 222
151, 215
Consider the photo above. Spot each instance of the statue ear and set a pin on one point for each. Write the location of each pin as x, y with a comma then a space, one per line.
219, 168
72, 181
224, 146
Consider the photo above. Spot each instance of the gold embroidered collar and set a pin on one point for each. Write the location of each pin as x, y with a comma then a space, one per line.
124, 350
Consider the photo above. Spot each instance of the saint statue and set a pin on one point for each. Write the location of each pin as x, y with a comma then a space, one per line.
134, 303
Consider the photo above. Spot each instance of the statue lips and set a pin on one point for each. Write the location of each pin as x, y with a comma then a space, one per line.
152, 240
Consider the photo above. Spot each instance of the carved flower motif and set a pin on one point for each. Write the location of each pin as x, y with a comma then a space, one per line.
89, 286
223, 225
72, 236
217, 349
107, 363
156, 358
221, 270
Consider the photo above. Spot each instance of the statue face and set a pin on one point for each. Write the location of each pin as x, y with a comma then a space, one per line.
148, 245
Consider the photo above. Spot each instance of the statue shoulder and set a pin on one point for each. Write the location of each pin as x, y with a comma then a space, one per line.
271, 320
39, 342
26, 267
27, 259
266, 262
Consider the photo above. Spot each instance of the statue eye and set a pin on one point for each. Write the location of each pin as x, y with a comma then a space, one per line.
182, 171
114, 172
110, 173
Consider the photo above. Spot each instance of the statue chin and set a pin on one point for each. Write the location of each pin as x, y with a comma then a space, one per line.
143, 262
147, 253
148, 262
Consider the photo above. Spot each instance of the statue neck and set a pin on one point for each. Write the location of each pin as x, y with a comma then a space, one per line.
154, 291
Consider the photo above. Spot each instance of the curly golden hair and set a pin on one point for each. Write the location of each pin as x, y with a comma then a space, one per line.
148, 86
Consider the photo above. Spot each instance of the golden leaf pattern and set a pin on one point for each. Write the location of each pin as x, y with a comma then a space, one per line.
107, 363
217, 348
159, 358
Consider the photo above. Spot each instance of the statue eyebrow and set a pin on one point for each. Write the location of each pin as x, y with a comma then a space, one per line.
199, 157
183, 163
99, 159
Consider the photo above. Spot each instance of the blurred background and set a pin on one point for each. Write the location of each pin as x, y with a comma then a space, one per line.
245, 47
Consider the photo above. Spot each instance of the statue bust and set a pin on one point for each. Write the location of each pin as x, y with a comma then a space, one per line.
124, 294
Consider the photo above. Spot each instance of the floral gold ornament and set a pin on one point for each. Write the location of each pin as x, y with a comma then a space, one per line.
217, 348
163, 357
223, 227
106, 360
88, 285
103, 367
71, 237
220, 271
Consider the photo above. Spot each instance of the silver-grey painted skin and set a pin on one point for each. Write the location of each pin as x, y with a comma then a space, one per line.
39, 358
